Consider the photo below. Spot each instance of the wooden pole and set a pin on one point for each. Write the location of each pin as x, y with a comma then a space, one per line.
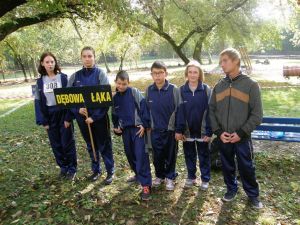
91, 137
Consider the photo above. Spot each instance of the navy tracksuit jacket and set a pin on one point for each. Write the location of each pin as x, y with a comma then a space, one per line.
61, 139
129, 111
101, 126
193, 121
163, 106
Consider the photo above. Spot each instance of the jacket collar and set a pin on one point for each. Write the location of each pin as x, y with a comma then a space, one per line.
239, 76
186, 87
122, 93
89, 70
164, 88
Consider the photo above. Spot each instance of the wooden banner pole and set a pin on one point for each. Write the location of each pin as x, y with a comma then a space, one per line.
91, 137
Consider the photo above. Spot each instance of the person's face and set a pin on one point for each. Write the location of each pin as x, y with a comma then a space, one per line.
122, 85
228, 65
158, 76
48, 63
193, 74
88, 58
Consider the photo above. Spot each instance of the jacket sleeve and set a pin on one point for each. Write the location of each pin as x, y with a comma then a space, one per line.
70, 113
142, 107
114, 116
206, 124
180, 118
216, 128
40, 118
255, 114
97, 114
178, 103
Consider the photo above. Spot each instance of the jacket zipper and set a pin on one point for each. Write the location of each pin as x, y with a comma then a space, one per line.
230, 86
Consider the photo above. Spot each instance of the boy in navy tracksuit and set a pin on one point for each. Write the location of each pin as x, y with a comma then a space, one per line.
163, 99
51, 117
130, 118
193, 124
91, 75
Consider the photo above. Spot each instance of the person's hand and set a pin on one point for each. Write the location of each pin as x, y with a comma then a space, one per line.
178, 136
141, 131
234, 138
83, 111
67, 124
46, 127
206, 139
225, 137
118, 130
89, 120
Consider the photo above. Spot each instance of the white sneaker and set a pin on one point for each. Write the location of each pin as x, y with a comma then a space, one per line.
169, 185
190, 183
157, 182
204, 186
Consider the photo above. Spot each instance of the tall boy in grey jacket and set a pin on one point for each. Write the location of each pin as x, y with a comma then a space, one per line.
235, 111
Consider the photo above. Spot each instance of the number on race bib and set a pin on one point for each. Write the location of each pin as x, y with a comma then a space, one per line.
48, 88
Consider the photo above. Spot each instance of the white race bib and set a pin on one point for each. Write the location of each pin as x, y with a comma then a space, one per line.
48, 88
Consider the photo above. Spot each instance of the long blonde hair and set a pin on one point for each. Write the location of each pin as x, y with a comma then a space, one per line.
196, 64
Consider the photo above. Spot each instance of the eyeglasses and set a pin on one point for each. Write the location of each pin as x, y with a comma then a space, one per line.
157, 73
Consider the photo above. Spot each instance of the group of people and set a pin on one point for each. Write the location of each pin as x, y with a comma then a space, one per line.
165, 115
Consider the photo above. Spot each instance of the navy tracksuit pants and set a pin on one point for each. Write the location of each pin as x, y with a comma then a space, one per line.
165, 150
102, 142
136, 155
191, 150
62, 141
244, 154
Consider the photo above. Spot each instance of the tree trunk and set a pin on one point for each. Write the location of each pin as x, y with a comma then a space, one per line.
198, 48
209, 58
105, 63
122, 59
28, 68
177, 49
3, 77
121, 63
33, 67
19, 60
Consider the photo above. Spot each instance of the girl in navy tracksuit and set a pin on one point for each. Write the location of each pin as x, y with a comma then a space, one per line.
51, 117
91, 75
193, 124
130, 118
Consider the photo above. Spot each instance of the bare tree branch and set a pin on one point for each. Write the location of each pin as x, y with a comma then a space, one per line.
8, 5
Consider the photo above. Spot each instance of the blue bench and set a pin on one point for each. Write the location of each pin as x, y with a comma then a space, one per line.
278, 129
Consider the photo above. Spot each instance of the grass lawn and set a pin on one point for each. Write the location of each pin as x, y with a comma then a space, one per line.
8, 104
31, 194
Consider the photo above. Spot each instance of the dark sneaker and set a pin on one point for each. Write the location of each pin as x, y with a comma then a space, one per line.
71, 176
145, 195
131, 179
94, 177
109, 178
255, 203
229, 196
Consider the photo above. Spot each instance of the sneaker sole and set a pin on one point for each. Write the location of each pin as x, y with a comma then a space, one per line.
146, 199
204, 188
227, 200
170, 189
255, 207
